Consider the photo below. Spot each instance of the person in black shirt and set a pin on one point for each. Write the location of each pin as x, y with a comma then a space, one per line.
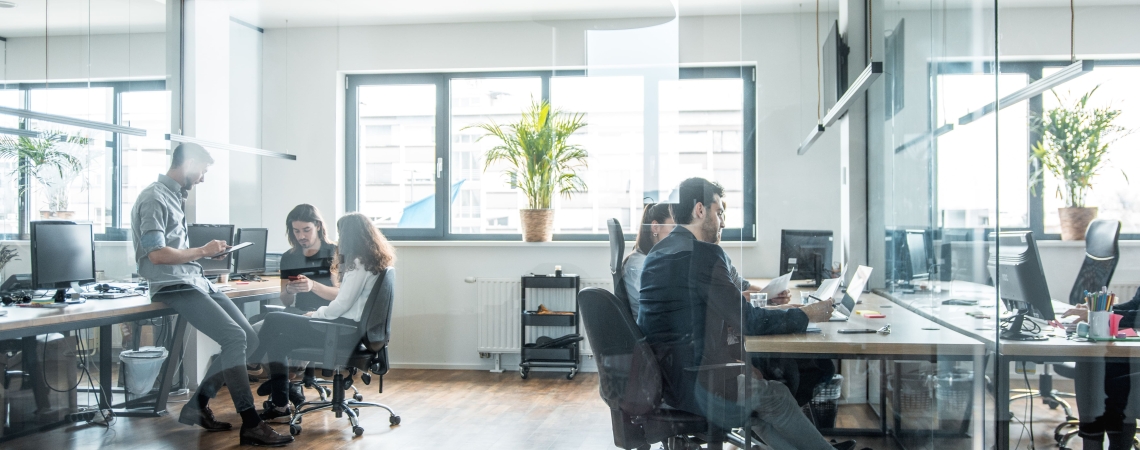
310, 249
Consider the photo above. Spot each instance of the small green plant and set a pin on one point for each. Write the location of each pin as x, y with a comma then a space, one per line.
1074, 144
7, 253
536, 148
46, 161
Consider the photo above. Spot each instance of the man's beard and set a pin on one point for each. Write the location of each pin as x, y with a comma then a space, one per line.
711, 231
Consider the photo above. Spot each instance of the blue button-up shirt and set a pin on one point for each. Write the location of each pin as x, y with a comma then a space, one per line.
157, 221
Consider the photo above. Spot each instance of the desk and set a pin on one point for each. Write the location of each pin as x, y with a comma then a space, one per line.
1053, 350
907, 341
23, 322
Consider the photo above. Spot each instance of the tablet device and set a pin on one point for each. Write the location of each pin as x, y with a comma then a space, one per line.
232, 249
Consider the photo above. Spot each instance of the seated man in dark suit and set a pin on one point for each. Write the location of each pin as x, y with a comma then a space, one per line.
694, 317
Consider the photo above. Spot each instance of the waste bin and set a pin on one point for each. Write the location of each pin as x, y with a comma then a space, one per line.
824, 406
142, 367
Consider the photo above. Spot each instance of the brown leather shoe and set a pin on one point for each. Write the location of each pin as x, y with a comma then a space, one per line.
264, 435
192, 414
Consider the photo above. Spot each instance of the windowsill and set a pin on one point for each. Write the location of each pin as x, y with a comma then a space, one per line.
1056, 243
558, 244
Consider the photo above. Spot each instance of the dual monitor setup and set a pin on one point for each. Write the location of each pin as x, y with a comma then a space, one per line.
63, 253
1010, 257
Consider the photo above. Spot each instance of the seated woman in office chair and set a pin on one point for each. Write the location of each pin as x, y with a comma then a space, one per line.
1106, 402
362, 255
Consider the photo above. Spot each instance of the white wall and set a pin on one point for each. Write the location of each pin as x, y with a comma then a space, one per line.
77, 58
245, 125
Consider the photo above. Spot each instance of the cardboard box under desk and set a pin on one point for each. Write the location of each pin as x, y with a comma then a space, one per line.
57, 357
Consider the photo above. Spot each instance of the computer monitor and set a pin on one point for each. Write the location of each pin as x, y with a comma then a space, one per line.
63, 254
200, 234
808, 253
1016, 265
917, 250
251, 259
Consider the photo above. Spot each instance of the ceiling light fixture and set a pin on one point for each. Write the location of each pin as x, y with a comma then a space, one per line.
1031, 90
229, 147
19, 132
4, 4
920, 139
66, 120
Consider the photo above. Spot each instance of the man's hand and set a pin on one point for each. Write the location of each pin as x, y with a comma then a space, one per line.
213, 248
1081, 311
309, 314
818, 311
301, 284
780, 299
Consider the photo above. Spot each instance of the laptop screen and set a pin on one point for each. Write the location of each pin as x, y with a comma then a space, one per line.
854, 290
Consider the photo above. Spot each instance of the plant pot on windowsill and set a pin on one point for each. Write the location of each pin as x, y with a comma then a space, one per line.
57, 215
537, 224
1075, 221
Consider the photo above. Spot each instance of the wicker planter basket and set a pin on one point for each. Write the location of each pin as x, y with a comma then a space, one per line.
537, 224
1075, 221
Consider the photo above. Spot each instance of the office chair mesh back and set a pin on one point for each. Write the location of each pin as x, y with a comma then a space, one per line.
376, 318
1102, 253
629, 377
617, 255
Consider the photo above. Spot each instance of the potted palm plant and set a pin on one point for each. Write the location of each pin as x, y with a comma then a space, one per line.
47, 161
1073, 148
541, 161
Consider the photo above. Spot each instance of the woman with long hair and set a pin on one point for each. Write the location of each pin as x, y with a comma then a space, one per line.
362, 254
656, 223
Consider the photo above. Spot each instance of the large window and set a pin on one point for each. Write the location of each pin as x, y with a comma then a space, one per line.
417, 170
1026, 202
113, 167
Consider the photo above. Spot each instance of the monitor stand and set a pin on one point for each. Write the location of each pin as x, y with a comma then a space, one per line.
1013, 330
60, 296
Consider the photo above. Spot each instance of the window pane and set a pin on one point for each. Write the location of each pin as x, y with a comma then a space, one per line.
485, 202
9, 201
701, 125
614, 110
1112, 192
85, 195
144, 157
396, 129
965, 186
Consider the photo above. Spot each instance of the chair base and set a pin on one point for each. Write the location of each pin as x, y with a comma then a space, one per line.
339, 405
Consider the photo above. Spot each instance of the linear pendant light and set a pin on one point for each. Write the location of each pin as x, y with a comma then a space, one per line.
813, 136
1031, 90
230, 147
66, 120
19, 132
861, 84
918, 140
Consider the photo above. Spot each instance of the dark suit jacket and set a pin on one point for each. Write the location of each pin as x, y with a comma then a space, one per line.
692, 314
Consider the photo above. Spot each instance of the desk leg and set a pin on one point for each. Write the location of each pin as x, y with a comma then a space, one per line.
105, 367
883, 424
978, 413
171, 366
1001, 402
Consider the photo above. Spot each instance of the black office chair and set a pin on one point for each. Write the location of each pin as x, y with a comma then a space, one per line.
617, 258
1102, 254
630, 381
352, 348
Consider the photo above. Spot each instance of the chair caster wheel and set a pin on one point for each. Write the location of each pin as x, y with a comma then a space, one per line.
523, 372
294, 429
356, 411
357, 431
570, 376
394, 420
358, 397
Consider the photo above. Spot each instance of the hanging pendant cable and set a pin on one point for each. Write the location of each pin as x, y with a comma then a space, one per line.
870, 26
818, 70
1072, 33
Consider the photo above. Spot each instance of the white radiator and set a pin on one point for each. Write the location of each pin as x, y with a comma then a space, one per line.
499, 309
1124, 292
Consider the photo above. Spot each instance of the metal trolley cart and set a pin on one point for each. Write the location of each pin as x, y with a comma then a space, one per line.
536, 354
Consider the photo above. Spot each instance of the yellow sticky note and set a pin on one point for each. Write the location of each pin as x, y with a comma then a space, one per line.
873, 313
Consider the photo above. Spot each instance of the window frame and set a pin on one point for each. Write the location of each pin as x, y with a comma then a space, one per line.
115, 232
442, 82
1034, 70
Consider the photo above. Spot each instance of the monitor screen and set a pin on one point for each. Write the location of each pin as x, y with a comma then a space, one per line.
1016, 266
62, 253
916, 246
200, 234
808, 252
251, 259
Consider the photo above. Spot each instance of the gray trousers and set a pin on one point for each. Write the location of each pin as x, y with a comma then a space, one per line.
216, 316
782, 424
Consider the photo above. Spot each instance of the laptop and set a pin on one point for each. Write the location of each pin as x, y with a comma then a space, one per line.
828, 288
846, 306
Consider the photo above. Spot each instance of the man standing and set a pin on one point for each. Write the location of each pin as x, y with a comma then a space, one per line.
694, 317
158, 226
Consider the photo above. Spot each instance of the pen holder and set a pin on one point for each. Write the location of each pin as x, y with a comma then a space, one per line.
1099, 324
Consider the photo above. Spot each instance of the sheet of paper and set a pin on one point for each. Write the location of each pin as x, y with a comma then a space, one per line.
778, 285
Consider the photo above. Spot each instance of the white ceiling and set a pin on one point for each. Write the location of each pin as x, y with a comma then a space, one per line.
79, 17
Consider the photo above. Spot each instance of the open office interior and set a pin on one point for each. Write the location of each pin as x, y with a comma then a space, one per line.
928, 213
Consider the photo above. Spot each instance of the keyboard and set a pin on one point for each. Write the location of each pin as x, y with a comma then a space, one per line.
108, 295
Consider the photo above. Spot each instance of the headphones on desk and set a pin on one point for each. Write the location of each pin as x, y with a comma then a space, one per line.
9, 299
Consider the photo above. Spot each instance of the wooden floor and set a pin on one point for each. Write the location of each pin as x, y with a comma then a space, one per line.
455, 409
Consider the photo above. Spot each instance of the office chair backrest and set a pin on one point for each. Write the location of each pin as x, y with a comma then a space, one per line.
617, 256
1102, 253
629, 377
376, 320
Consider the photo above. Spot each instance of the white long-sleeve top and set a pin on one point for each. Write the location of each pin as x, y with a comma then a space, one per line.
349, 302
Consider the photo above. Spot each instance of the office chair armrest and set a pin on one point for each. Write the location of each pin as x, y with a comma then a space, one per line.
271, 308
715, 367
